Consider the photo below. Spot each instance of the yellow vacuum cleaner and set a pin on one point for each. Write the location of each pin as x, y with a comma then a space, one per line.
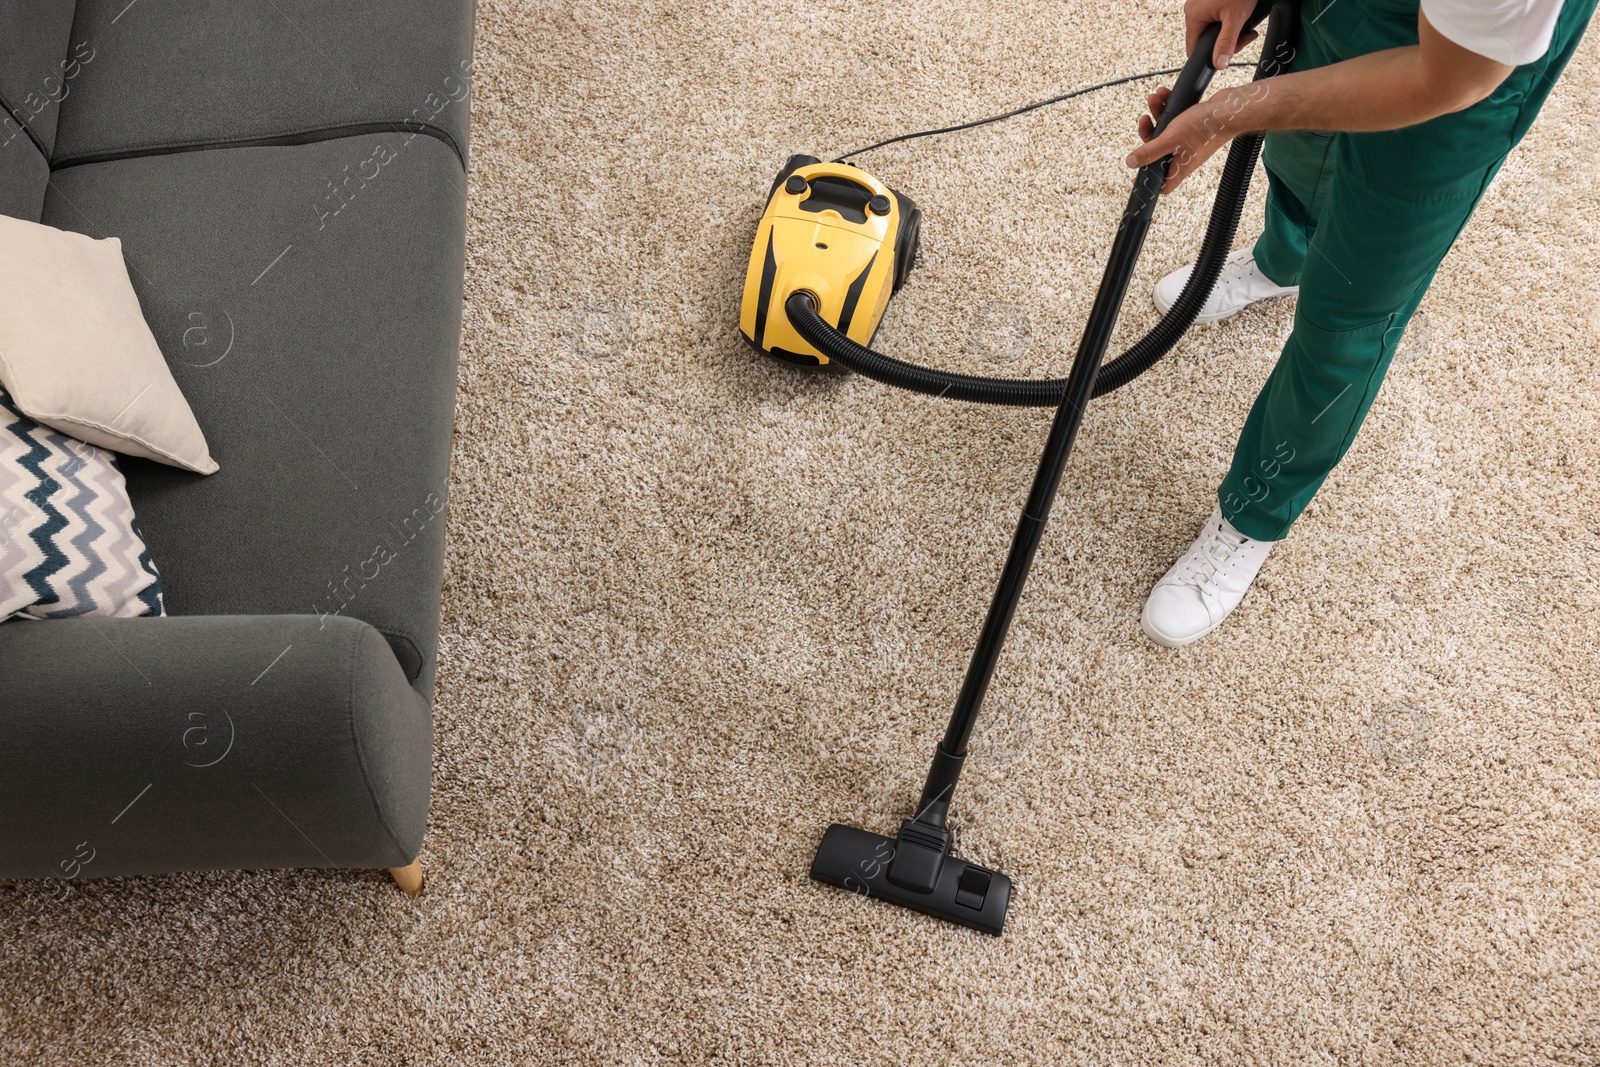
834, 231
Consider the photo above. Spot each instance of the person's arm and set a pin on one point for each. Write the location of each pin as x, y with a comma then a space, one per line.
1379, 91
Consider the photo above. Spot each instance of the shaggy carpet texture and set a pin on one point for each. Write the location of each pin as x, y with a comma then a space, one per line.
700, 605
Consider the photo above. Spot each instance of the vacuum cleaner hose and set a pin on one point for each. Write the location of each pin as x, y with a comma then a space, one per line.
1226, 210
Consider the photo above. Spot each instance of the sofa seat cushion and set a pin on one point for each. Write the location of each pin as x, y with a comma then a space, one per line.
316, 341
183, 73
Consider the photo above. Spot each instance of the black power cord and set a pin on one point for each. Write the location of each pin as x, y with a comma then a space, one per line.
803, 315
1013, 114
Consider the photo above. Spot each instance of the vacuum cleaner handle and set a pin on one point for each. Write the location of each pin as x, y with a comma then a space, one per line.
1196, 74
1193, 79
1075, 396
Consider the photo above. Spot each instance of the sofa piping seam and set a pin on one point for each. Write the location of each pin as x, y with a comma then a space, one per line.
301, 136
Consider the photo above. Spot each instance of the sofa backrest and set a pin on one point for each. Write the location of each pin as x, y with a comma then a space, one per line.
37, 68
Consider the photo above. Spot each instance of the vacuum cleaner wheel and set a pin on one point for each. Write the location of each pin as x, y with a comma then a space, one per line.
908, 241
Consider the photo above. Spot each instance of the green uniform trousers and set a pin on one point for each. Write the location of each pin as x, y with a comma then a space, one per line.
1360, 221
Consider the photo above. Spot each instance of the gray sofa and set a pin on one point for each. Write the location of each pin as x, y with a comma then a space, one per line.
289, 183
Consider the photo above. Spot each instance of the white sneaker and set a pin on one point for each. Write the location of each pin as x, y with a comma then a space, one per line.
1240, 284
1206, 583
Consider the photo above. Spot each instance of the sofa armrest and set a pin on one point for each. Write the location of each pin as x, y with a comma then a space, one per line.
131, 746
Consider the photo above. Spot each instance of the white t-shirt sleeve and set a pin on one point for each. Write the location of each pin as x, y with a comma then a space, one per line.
1512, 32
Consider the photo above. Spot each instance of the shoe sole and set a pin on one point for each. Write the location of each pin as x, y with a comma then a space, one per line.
1212, 320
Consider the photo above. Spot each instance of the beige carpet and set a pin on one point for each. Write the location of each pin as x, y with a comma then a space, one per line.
699, 606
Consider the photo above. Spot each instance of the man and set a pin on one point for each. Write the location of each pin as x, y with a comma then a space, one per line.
1401, 116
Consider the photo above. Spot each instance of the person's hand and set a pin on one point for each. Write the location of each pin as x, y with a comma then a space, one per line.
1198, 14
1190, 138
1194, 135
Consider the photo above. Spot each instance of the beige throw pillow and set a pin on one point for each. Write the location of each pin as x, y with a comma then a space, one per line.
76, 353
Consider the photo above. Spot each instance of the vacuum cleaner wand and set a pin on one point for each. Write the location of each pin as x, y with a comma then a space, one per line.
916, 869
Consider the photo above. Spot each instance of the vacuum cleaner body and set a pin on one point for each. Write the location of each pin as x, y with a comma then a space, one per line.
838, 233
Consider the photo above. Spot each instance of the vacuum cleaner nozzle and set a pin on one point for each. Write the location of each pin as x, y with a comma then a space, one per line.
915, 871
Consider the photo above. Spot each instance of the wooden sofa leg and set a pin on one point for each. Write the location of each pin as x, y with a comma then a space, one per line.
409, 878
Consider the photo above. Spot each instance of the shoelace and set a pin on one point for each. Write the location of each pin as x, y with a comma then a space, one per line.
1200, 569
1236, 267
